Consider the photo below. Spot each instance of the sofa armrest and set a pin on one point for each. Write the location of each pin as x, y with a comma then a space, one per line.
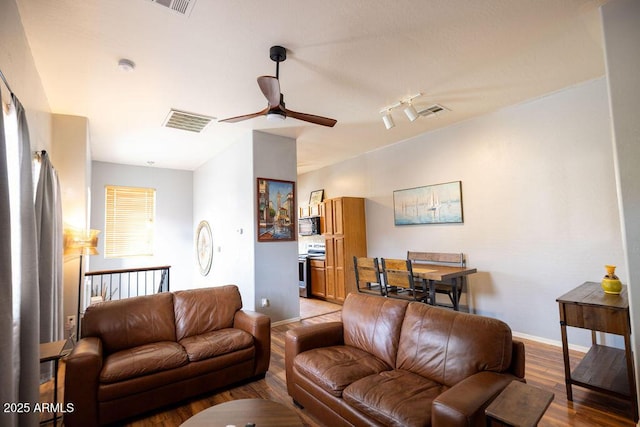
464, 403
258, 325
81, 379
309, 337
517, 359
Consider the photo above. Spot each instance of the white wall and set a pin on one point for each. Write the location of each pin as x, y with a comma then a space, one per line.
174, 216
223, 196
276, 263
622, 38
539, 200
18, 67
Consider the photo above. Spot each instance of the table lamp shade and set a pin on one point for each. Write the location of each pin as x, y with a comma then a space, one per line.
80, 242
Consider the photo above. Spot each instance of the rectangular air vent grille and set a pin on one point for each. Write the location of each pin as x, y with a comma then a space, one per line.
434, 109
187, 121
183, 7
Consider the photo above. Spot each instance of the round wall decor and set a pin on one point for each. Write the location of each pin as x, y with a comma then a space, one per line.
204, 247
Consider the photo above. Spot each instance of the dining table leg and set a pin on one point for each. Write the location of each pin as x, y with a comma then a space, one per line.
432, 292
454, 283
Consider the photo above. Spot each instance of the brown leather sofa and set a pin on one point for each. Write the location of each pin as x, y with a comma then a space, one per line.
398, 363
142, 353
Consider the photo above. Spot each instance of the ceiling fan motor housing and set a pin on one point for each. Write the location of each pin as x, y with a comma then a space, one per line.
277, 53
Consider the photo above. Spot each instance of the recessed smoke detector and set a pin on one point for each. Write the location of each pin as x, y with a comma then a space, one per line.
435, 109
182, 7
187, 121
126, 65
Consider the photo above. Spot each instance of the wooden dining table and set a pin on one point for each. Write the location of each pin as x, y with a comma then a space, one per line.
447, 275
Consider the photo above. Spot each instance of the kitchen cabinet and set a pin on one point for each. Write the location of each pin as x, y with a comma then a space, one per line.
342, 222
318, 278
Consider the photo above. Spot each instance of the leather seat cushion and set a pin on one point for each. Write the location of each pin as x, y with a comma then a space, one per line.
334, 368
394, 398
216, 343
142, 360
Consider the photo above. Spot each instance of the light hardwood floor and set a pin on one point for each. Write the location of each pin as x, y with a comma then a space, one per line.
544, 368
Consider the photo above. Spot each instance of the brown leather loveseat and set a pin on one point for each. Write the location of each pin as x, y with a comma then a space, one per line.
397, 363
142, 353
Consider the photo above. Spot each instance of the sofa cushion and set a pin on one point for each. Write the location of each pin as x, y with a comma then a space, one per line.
142, 360
334, 368
131, 322
394, 398
447, 346
198, 311
216, 343
373, 324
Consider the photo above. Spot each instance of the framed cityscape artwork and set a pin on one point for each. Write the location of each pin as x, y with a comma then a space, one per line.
276, 210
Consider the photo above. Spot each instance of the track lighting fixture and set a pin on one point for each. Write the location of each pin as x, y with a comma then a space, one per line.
409, 111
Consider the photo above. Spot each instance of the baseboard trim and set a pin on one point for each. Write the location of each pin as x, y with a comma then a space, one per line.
554, 343
285, 321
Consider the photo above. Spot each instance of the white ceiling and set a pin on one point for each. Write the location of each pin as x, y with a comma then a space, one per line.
347, 59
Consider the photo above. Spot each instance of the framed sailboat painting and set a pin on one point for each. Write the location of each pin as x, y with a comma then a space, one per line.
431, 204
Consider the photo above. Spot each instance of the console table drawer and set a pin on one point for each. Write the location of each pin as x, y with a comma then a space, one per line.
601, 319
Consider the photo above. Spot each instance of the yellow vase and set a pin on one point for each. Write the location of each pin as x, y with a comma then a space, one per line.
610, 283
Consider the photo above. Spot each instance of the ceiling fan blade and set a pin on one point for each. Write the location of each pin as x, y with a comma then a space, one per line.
270, 87
245, 117
318, 120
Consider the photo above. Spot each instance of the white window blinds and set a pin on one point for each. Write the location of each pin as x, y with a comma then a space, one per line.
130, 218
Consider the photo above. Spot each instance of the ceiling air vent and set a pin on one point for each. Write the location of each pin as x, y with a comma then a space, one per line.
187, 121
182, 7
434, 109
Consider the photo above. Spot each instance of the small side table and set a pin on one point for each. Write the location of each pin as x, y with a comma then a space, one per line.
520, 405
52, 352
604, 369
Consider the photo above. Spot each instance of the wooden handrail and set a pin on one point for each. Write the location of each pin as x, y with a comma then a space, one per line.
126, 270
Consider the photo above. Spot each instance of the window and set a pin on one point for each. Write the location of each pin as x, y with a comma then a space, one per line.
130, 217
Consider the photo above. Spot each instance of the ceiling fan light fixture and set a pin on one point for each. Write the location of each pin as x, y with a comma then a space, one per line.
388, 120
276, 116
410, 112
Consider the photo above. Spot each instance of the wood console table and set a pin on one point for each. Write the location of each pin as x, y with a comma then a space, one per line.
604, 369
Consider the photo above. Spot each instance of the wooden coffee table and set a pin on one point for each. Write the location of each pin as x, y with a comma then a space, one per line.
261, 412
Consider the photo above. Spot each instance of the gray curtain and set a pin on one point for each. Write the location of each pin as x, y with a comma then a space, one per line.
19, 302
49, 237
7, 379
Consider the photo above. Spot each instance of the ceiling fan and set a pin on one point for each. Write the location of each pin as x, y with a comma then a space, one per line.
270, 87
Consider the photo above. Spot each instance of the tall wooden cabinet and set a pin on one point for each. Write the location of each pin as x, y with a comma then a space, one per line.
342, 222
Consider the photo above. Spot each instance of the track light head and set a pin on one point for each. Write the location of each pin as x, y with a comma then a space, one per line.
410, 112
388, 120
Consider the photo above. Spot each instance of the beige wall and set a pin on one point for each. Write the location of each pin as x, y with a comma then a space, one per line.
64, 137
18, 67
71, 156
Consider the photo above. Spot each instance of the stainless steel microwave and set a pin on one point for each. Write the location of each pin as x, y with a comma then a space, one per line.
309, 226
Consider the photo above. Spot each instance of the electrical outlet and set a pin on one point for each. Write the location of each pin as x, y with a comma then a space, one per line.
265, 302
71, 322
